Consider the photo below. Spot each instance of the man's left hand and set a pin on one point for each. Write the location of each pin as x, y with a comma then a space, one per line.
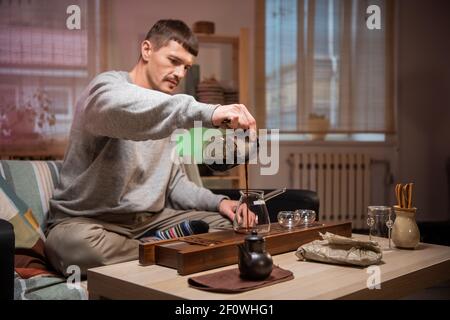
227, 208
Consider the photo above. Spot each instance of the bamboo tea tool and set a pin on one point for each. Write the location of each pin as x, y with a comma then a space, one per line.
403, 193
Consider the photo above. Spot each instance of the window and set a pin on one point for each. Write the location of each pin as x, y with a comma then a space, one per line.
321, 60
44, 65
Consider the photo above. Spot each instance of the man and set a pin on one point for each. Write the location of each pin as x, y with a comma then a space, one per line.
117, 181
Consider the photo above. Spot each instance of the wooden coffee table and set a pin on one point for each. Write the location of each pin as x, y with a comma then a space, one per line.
401, 273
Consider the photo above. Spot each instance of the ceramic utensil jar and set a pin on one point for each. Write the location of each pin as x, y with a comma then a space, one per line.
405, 233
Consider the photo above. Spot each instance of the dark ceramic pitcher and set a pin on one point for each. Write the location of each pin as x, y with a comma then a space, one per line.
255, 263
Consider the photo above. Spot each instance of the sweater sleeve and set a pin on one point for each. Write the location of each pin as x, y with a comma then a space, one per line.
184, 194
117, 108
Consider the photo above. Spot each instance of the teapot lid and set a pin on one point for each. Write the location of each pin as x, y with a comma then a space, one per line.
254, 237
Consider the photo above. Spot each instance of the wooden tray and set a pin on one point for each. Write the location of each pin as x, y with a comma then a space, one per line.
217, 249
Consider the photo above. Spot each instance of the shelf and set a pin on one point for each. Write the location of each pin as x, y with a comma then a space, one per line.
212, 38
240, 75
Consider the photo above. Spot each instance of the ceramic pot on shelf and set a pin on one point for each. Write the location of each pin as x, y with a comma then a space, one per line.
318, 127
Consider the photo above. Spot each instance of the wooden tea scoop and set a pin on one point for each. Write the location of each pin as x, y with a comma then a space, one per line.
410, 191
405, 195
400, 195
398, 188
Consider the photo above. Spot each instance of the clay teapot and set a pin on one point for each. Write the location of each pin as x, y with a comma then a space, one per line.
235, 145
255, 263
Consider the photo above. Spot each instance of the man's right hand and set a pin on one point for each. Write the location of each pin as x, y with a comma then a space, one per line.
233, 116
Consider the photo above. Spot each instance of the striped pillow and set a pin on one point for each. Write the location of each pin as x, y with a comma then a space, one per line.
33, 182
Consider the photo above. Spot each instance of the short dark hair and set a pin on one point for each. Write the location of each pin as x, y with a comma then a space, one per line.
165, 30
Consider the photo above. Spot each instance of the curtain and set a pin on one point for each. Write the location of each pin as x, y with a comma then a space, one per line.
44, 66
322, 61
280, 63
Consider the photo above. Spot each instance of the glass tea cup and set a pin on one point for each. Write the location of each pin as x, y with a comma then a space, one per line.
379, 220
289, 219
307, 217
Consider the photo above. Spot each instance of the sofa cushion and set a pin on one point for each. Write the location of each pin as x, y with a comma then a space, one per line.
34, 278
19, 214
33, 182
29, 258
44, 287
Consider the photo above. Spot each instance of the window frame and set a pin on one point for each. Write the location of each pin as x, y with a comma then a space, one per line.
260, 84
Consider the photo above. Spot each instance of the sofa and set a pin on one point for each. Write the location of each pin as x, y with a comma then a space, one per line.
25, 189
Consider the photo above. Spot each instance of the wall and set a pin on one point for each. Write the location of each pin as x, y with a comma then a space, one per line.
424, 102
131, 20
423, 86
381, 175
423, 109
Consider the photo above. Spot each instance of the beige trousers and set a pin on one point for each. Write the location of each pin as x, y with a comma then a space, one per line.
89, 242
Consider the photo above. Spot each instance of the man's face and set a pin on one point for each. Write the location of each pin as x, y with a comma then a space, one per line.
166, 66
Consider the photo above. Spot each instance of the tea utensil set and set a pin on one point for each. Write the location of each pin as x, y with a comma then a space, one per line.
403, 193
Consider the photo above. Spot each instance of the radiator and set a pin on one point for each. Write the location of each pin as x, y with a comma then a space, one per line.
341, 180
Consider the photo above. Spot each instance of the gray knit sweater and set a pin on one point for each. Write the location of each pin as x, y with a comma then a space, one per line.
118, 157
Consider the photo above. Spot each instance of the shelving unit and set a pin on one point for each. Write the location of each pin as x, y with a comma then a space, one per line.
239, 64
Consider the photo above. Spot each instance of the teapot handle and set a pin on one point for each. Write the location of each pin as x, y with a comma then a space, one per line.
273, 194
243, 250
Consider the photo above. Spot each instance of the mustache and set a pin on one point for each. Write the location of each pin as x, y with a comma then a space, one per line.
173, 79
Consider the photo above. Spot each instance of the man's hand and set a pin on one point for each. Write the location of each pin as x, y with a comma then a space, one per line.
245, 218
233, 116
227, 208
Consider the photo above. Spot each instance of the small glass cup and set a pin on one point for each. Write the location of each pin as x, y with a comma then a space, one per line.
379, 220
289, 219
308, 217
